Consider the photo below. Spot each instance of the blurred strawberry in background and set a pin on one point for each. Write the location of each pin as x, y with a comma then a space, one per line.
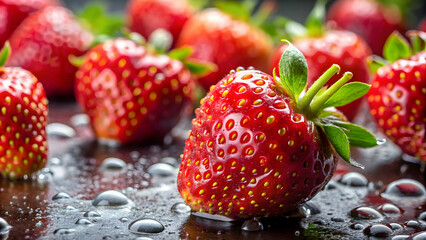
146, 16
43, 43
13, 12
374, 20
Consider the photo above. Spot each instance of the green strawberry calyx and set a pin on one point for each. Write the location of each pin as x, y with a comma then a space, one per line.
4, 54
397, 47
317, 103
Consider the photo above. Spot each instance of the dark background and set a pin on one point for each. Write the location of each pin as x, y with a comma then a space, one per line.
297, 10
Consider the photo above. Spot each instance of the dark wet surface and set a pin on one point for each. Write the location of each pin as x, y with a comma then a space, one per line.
354, 206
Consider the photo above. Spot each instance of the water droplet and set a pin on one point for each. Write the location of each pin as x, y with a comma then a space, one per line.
142, 226
4, 228
252, 225
337, 219
91, 214
83, 221
110, 198
357, 226
389, 208
113, 164
331, 185
378, 230
420, 236
59, 130
180, 208
161, 169
159, 77
413, 224
80, 120
404, 188
143, 238
61, 195
395, 226
422, 217
365, 213
213, 217
400, 237
64, 231
44, 175
123, 219
70, 208
354, 179
170, 160
311, 208
39, 224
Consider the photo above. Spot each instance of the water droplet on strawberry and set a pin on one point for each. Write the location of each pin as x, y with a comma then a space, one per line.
60, 130
180, 208
143, 226
252, 225
365, 213
354, 179
404, 188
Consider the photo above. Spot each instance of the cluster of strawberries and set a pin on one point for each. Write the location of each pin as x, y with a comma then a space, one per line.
260, 144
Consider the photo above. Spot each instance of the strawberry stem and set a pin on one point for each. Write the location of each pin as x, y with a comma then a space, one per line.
317, 105
5, 53
306, 100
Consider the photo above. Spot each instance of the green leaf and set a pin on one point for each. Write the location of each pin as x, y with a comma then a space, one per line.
180, 53
358, 136
346, 94
94, 17
315, 21
236, 9
76, 61
396, 47
199, 4
199, 68
418, 40
293, 71
375, 62
5, 53
339, 140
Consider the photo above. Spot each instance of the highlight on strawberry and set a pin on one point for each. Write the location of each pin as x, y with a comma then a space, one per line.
23, 120
263, 145
323, 46
134, 92
397, 98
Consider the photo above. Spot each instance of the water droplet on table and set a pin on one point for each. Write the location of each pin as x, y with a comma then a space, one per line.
142, 226
162, 170
91, 214
400, 237
404, 188
365, 213
80, 120
61, 195
64, 231
180, 208
4, 227
252, 225
378, 230
110, 198
389, 208
60, 130
83, 221
354, 179
420, 236
113, 164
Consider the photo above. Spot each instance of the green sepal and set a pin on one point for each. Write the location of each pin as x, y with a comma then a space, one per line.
347, 94
134, 36
199, 68
235, 9
375, 62
199, 4
76, 61
94, 17
358, 136
293, 70
315, 21
338, 139
180, 53
5, 53
396, 47
418, 40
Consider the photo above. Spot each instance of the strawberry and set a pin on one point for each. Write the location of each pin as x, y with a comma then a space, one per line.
373, 20
322, 47
397, 97
146, 16
256, 149
23, 119
13, 12
131, 94
226, 41
42, 45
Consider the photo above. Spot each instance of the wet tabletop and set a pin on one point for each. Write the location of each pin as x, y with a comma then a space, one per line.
91, 191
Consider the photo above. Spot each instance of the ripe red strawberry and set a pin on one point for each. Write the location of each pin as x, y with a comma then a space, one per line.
13, 12
146, 16
374, 20
42, 45
229, 43
23, 119
323, 47
130, 94
397, 97
256, 149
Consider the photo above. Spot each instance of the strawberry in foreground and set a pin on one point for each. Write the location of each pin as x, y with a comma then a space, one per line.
229, 41
259, 148
323, 47
23, 119
373, 20
146, 16
130, 93
13, 12
42, 45
397, 97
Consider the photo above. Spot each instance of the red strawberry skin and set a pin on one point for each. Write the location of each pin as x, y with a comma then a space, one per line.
13, 12
249, 153
23, 119
216, 37
146, 16
397, 100
370, 19
131, 95
42, 45
341, 47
